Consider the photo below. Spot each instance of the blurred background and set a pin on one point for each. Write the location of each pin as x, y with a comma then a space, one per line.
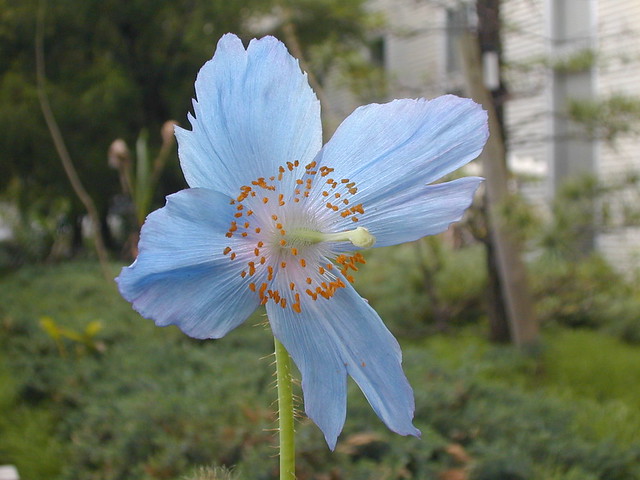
520, 325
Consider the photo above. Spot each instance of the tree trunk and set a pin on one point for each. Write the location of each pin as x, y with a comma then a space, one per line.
511, 269
490, 42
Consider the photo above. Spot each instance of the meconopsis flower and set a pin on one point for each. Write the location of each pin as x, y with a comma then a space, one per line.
274, 218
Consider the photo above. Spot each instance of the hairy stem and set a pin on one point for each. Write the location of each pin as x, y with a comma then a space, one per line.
285, 413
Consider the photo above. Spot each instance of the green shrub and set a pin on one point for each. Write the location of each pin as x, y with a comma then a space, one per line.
586, 293
424, 286
154, 404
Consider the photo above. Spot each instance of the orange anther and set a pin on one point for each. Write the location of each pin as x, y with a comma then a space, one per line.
303, 262
252, 287
232, 256
296, 306
226, 250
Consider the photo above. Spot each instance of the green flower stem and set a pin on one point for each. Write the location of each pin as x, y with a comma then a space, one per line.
285, 413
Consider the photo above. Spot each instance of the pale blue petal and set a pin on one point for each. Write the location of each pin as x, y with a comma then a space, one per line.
416, 213
181, 276
339, 336
254, 112
395, 147
324, 376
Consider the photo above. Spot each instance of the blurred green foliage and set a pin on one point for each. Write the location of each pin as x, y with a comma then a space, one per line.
396, 280
607, 118
579, 61
117, 68
586, 293
84, 340
155, 404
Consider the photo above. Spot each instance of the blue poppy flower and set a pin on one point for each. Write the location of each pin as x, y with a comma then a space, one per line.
274, 218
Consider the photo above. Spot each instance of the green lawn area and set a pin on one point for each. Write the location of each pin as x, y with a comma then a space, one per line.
129, 400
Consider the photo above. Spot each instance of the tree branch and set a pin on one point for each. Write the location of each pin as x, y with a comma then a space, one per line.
61, 147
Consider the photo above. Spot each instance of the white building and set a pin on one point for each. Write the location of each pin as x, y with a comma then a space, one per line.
557, 54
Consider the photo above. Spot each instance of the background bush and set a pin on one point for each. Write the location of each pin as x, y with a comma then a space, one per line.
150, 403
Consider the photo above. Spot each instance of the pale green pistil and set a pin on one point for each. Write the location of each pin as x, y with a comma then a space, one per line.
360, 237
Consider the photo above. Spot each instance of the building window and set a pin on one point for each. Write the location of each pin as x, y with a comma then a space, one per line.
458, 20
377, 52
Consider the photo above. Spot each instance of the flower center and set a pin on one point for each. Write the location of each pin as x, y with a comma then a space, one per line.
287, 240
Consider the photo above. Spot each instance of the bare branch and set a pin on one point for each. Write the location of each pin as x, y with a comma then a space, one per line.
61, 148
